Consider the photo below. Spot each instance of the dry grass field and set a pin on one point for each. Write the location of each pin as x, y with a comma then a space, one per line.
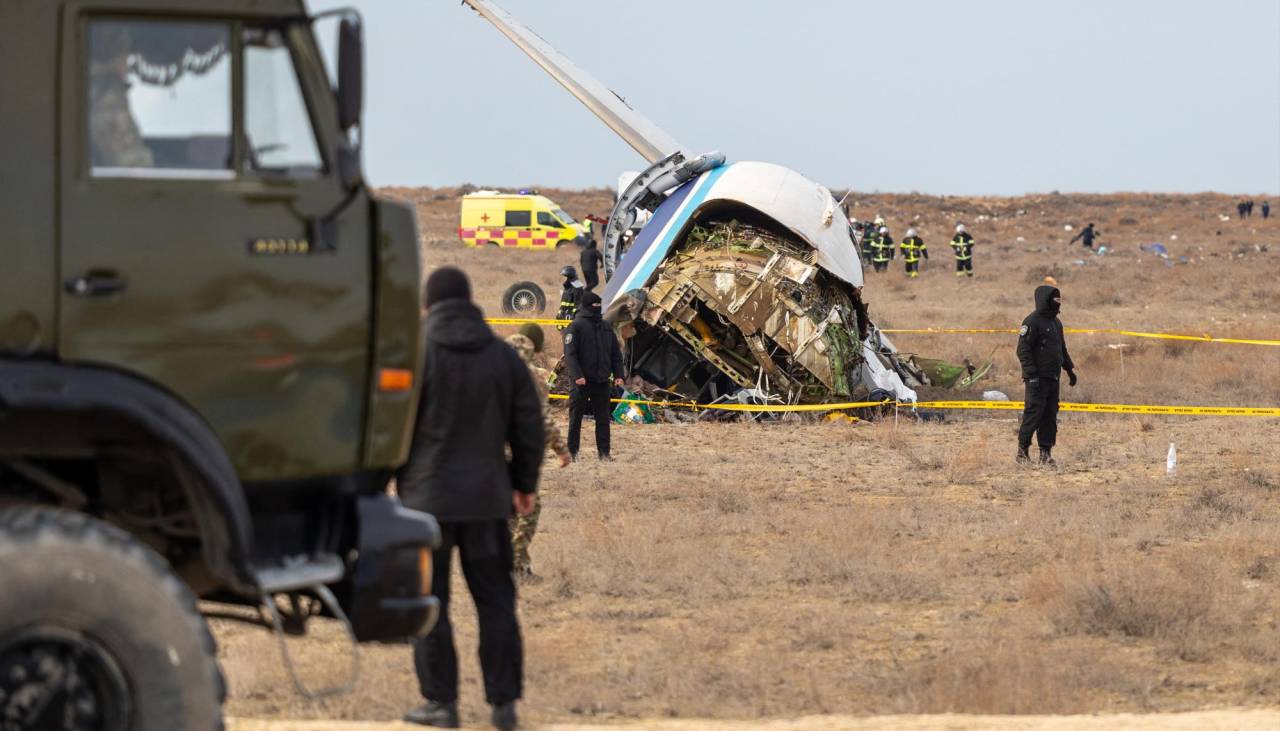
770, 571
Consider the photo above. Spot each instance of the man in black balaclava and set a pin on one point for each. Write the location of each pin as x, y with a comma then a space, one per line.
1042, 350
593, 358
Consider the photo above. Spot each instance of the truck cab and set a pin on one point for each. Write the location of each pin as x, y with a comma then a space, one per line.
209, 325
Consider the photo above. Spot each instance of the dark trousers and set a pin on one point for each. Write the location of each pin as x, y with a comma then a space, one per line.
590, 279
965, 266
484, 547
913, 267
1040, 413
593, 396
879, 265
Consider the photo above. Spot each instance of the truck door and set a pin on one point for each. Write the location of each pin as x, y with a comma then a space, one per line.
206, 245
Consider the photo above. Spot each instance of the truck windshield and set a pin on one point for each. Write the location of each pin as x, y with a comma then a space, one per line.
565, 218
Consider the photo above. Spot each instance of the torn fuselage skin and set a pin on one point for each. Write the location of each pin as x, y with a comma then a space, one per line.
756, 312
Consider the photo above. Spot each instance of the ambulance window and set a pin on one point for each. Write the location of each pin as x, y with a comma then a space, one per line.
564, 217
546, 219
519, 218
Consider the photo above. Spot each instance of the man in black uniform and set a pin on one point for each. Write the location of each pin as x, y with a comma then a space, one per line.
1266, 210
478, 400
1086, 236
594, 362
1042, 351
570, 296
590, 261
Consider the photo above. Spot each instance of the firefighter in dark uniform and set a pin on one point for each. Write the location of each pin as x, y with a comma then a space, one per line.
1042, 351
594, 363
913, 249
962, 247
882, 249
570, 296
860, 236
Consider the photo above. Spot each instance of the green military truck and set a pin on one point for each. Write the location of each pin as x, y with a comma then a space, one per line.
209, 350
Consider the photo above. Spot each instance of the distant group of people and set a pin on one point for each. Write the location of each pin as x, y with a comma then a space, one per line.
1245, 209
878, 248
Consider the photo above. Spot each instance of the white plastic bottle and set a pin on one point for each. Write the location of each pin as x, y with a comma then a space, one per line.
1171, 462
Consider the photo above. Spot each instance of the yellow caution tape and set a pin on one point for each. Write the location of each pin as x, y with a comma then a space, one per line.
523, 320
976, 331
967, 405
1087, 331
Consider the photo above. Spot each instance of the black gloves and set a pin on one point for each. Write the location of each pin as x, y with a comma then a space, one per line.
1071, 378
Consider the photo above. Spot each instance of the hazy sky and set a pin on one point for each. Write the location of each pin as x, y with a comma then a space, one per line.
987, 96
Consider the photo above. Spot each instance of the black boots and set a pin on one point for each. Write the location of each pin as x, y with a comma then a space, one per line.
504, 716
1023, 457
445, 715
436, 714
1046, 458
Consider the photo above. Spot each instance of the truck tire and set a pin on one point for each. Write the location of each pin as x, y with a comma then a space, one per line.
524, 298
96, 633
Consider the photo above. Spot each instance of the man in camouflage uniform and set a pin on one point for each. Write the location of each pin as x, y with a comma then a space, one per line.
528, 343
114, 137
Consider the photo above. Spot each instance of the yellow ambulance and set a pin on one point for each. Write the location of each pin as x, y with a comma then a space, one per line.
515, 220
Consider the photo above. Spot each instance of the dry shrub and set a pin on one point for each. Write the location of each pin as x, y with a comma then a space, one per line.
1214, 506
847, 553
1009, 677
1190, 606
964, 466
919, 453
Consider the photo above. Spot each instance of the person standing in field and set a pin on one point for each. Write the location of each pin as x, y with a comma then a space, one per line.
594, 363
528, 344
1266, 210
1085, 237
881, 249
1042, 352
913, 249
962, 248
591, 259
478, 402
570, 295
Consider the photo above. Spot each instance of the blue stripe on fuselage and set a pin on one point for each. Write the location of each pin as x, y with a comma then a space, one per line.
656, 238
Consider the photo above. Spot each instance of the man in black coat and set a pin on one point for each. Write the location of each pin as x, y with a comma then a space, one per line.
594, 363
1086, 236
1042, 350
478, 400
591, 259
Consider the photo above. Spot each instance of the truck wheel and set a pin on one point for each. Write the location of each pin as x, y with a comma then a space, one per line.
96, 633
524, 298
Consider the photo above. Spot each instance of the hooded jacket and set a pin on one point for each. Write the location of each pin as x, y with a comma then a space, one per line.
590, 259
590, 346
1042, 346
477, 399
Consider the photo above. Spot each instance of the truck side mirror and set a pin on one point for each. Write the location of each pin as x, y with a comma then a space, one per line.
350, 73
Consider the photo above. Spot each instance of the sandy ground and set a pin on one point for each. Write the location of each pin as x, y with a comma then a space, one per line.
856, 576
1226, 720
